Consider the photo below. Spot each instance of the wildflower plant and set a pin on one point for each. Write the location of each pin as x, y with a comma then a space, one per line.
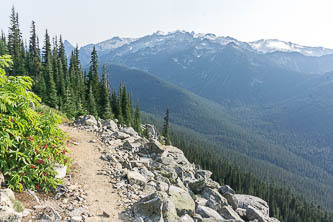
30, 142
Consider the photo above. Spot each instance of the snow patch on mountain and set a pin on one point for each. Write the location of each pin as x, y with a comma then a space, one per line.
274, 45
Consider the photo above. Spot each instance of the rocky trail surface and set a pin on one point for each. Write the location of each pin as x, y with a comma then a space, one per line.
116, 175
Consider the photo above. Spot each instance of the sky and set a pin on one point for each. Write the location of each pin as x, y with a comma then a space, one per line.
82, 22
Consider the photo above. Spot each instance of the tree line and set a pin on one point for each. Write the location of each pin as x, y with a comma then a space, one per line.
64, 85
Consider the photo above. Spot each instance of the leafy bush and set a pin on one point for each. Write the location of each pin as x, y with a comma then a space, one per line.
30, 141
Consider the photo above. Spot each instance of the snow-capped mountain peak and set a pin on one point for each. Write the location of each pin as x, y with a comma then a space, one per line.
273, 45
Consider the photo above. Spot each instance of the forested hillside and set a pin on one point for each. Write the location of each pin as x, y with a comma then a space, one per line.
284, 204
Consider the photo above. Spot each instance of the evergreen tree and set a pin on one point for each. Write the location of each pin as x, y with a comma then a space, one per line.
137, 119
166, 129
34, 65
93, 73
3, 44
124, 106
52, 99
15, 45
92, 103
104, 102
115, 104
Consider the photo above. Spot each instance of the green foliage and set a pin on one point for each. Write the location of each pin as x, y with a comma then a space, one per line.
30, 142
166, 134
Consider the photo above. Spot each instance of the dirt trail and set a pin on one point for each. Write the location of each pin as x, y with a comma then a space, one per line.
102, 200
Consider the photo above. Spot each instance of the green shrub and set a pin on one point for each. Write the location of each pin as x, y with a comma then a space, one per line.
30, 141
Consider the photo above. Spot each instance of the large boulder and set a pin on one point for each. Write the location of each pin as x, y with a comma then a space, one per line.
244, 201
90, 120
129, 131
226, 189
154, 147
228, 213
214, 199
136, 178
156, 207
110, 124
150, 208
121, 135
206, 212
182, 200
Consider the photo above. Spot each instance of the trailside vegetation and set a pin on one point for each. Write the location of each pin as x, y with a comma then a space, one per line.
30, 142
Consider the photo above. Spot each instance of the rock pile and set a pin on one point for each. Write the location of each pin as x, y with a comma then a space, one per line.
159, 184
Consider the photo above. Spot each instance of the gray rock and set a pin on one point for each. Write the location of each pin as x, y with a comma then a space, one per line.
244, 201
146, 173
2, 179
207, 212
228, 213
129, 130
226, 189
60, 170
169, 211
110, 124
76, 219
197, 185
231, 200
204, 174
121, 135
150, 207
154, 147
182, 200
8, 214
136, 178
186, 218
6, 195
90, 120
255, 214
215, 200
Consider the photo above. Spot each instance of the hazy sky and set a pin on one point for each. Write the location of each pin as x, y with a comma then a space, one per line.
82, 21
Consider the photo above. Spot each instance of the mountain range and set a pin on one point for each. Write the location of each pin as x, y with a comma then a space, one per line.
265, 103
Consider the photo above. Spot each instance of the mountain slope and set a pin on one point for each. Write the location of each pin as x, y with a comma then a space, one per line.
211, 122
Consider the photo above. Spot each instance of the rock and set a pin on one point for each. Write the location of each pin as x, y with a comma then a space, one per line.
228, 213
110, 124
90, 120
6, 197
214, 199
8, 214
136, 178
129, 131
254, 214
154, 147
231, 200
197, 185
186, 218
146, 173
207, 212
204, 174
2, 179
226, 189
77, 212
76, 219
169, 211
244, 201
121, 135
60, 170
182, 200
150, 207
